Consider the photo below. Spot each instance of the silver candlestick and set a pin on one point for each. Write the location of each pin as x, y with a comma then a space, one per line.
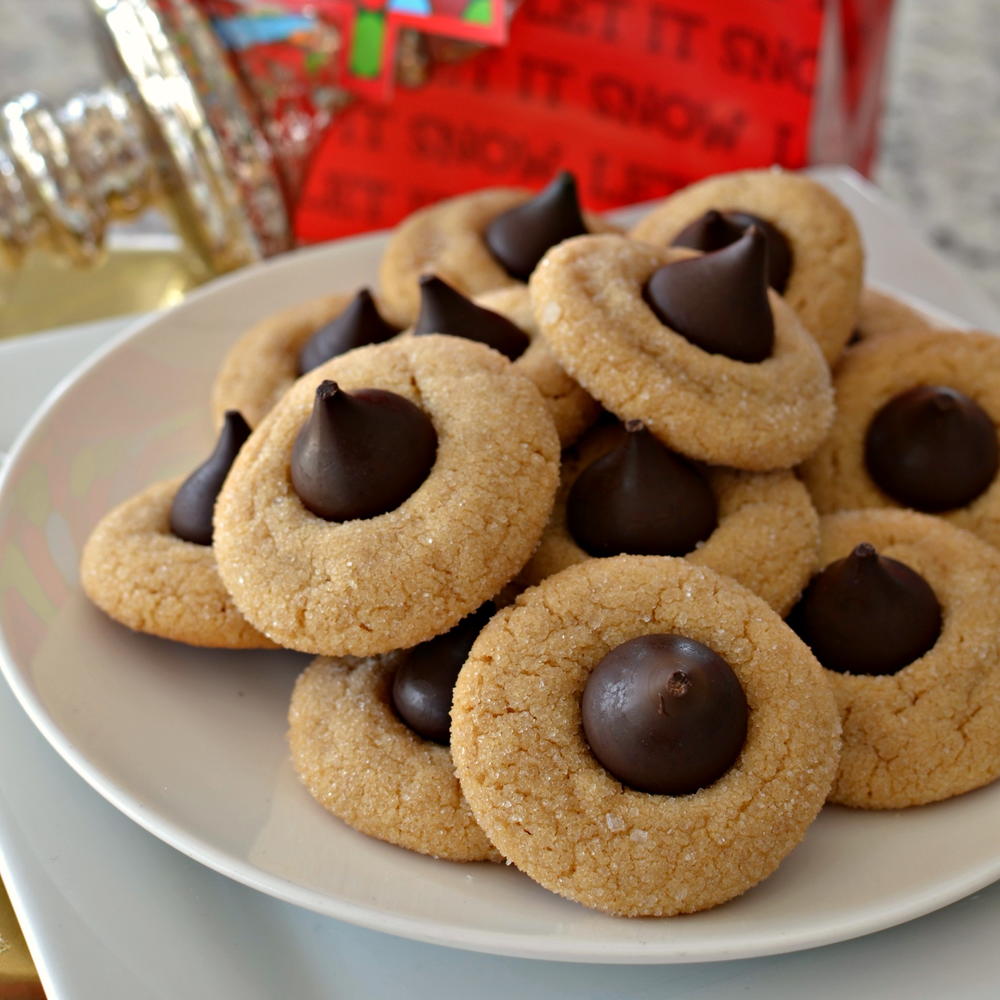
175, 129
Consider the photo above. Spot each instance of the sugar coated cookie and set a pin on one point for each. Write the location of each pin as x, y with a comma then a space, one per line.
371, 584
360, 762
551, 808
915, 427
930, 728
590, 304
765, 534
451, 239
140, 573
572, 408
881, 314
826, 258
260, 367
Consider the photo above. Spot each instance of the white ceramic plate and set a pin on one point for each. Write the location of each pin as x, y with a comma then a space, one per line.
190, 744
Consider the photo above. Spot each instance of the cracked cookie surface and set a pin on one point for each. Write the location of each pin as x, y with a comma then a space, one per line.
587, 295
931, 730
142, 575
361, 763
556, 813
828, 258
376, 584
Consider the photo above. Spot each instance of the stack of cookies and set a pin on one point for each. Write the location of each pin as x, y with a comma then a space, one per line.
619, 554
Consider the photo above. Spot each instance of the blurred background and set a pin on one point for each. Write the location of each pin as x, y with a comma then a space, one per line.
940, 133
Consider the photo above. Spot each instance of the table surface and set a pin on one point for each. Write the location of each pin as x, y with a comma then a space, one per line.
111, 913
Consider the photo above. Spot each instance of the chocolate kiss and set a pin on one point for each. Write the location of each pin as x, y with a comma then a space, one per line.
715, 230
443, 310
867, 614
641, 499
519, 237
664, 714
932, 448
361, 453
425, 679
359, 324
191, 511
718, 301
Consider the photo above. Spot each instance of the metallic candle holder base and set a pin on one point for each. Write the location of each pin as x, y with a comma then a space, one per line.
176, 130
137, 273
18, 978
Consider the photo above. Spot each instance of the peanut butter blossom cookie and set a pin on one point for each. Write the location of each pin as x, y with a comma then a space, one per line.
369, 739
149, 563
643, 736
815, 257
480, 241
904, 618
390, 492
883, 315
916, 427
261, 366
695, 346
621, 491
503, 320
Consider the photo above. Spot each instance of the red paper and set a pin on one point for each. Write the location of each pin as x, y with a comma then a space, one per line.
637, 97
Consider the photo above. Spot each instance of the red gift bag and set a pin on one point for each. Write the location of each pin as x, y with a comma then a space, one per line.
636, 97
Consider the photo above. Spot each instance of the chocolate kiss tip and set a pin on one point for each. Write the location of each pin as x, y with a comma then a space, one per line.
360, 323
715, 230
634, 426
932, 448
565, 183
520, 237
711, 231
678, 684
664, 714
719, 301
642, 499
361, 453
867, 614
444, 309
194, 503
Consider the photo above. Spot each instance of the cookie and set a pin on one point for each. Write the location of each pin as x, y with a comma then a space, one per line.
142, 575
571, 407
874, 374
373, 584
881, 315
448, 238
589, 302
360, 762
261, 366
766, 537
931, 730
548, 805
827, 258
